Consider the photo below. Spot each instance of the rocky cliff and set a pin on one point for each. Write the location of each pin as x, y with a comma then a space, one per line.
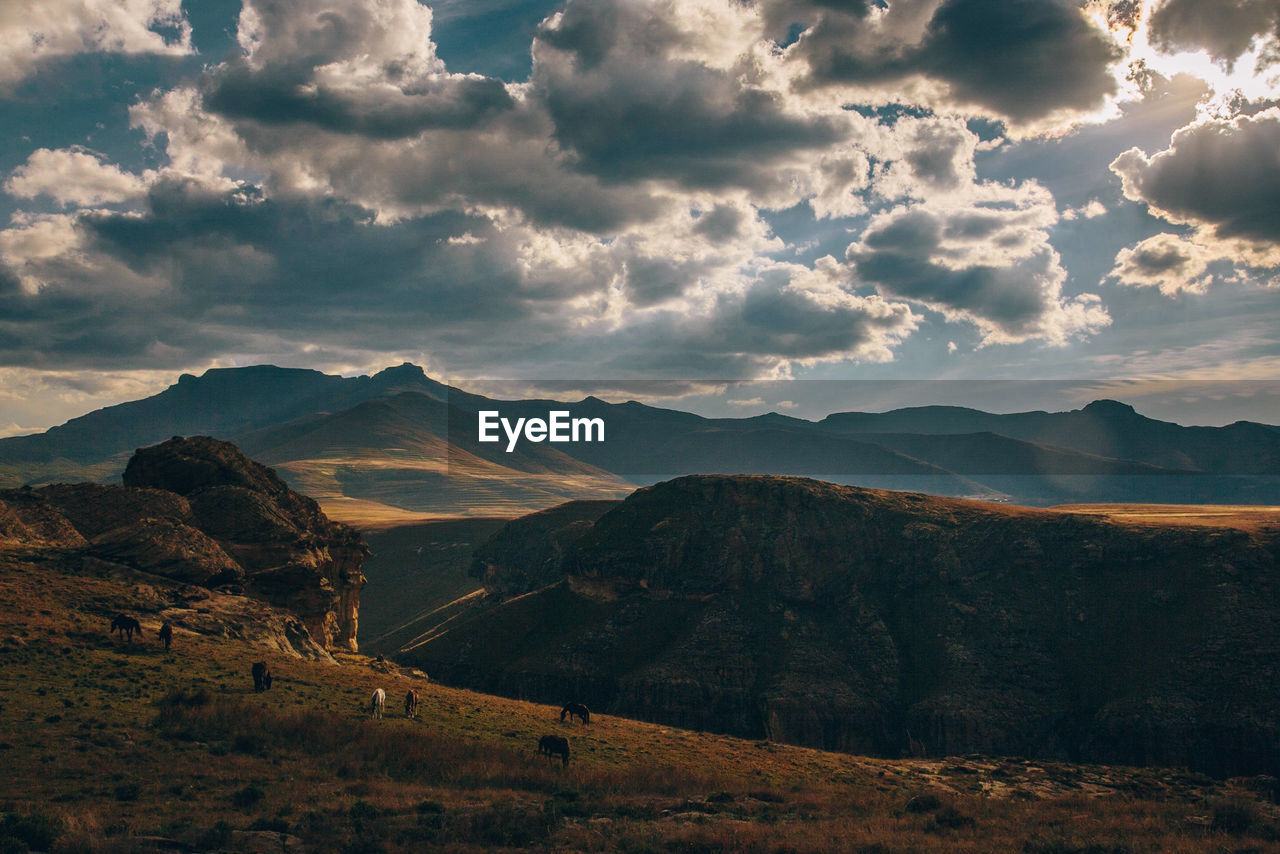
198, 511
864, 620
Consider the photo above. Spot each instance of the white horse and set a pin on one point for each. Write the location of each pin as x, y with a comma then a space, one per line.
377, 702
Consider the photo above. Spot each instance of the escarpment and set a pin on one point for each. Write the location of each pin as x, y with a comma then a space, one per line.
198, 511
864, 620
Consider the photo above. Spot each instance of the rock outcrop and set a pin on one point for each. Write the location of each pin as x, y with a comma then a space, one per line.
292, 554
846, 618
198, 511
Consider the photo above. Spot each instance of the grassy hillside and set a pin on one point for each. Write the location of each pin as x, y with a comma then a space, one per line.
413, 571
110, 747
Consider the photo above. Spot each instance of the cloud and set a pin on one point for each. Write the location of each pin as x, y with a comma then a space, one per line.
1226, 29
790, 315
1023, 60
368, 69
656, 90
1092, 210
986, 262
73, 177
33, 34
1168, 262
1220, 175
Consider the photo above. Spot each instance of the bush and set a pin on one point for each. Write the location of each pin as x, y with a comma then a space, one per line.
924, 802
247, 797
128, 791
1236, 816
361, 815
27, 832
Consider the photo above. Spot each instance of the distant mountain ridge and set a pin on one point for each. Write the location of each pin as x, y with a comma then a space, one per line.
400, 442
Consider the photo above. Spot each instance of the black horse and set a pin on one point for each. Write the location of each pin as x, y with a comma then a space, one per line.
261, 676
554, 745
126, 626
577, 710
166, 636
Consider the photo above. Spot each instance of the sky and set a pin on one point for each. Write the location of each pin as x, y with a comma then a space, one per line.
912, 195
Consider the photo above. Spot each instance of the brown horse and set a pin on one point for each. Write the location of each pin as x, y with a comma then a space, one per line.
166, 636
554, 745
261, 676
411, 704
126, 626
572, 710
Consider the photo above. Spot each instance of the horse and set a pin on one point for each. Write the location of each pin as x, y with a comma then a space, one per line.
261, 676
377, 702
126, 626
411, 704
554, 745
166, 635
575, 710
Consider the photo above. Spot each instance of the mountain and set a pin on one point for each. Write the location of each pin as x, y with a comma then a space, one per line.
858, 620
400, 447
1104, 428
198, 511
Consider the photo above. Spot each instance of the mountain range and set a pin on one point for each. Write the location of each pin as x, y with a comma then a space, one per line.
400, 445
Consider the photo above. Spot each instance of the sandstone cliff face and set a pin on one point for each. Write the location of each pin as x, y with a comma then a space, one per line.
198, 511
292, 554
846, 618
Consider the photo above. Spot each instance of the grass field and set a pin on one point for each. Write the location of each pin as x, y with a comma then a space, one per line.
1246, 517
111, 747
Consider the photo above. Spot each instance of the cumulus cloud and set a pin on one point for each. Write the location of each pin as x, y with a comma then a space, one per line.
73, 177
32, 34
1226, 29
1169, 262
789, 315
1023, 60
988, 263
367, 68
630, 100
1221, 175
613, 210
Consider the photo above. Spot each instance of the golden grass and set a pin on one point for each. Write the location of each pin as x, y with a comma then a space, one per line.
1244, 517
116, 743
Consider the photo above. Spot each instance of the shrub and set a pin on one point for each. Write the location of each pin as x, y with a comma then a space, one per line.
128, 791
1236, 816
26, 832
248, 796
923, 802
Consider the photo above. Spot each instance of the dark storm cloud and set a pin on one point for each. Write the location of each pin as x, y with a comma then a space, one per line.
1023, 59
203, 271
285, 96
628, 106
1223, 175
1224, 28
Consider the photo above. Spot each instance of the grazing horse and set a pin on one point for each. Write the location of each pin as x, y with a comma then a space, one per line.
577, 710
126, 626
166, 635
261, 676
411, 704
554, 745
377, 703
